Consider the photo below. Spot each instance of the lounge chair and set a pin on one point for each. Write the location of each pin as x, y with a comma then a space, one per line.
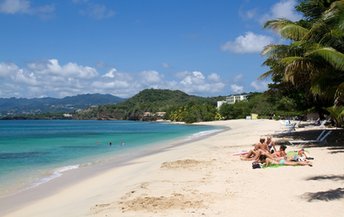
314, 125
286, 123
289, 130
320, 140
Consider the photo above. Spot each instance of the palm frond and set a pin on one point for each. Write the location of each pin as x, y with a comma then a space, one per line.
266, 74
337, 114
277, 24
335, 10
339, 95
276, 50
293, 31
320, 81
268, 49
298, 68
317, 31
291, 60
333, 38
330, 55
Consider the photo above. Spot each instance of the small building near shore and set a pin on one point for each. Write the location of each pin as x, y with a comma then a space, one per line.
232, 99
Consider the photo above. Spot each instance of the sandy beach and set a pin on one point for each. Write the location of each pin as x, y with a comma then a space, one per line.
200, 178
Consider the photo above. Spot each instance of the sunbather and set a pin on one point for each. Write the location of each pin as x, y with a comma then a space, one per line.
268, 161
271, 144
299, 156
256, 152
261, 145
280, 154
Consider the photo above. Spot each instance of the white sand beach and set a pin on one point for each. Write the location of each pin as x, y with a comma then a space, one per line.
202, 178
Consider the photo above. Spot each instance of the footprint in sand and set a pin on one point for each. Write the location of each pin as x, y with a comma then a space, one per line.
184, 164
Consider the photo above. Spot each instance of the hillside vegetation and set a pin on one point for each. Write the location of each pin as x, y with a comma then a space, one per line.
37, 106
153, 101
179, 106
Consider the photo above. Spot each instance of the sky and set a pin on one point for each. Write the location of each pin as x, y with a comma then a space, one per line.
61, 48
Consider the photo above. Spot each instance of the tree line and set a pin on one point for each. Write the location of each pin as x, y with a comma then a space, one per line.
310, 68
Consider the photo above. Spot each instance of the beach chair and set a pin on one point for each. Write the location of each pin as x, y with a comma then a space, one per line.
286, 123
289, 130
314, 125
322, 124
320, 140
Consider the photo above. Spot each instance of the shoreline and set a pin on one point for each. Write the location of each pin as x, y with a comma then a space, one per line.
203, 178
86, 170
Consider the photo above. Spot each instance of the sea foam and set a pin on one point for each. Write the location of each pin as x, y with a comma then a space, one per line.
204, 133
55, 174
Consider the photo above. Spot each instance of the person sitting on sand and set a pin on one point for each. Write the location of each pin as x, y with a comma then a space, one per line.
280, 154
271, 144
262, 145
256, 152
268, 161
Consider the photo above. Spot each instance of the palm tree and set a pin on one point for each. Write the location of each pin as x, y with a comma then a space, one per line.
314, 59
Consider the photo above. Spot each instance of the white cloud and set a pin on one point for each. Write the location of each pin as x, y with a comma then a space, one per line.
238, 78
96, 11
249, 14
259, 85
237, 88
24, 7
7, 69
192, 78
214, 77
14, 6
100, 12
151, 77
248, 43
53, 66
196, 83
116, 75
111, 84
111, 73
51, 78
25, 78
283, 9
165, 65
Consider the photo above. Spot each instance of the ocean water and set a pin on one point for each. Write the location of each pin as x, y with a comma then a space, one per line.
33, 152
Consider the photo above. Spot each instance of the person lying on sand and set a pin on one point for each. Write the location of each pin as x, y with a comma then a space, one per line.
268, 161
299, 156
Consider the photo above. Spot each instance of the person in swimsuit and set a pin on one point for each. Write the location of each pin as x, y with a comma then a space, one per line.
300, 156
254, 154
281, 152
271, 145
262, 145
286, 162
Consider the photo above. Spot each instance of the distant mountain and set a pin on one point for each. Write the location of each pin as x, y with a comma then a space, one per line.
17, 106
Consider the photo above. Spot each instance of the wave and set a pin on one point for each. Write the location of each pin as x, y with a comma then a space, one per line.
204, 133
55, 174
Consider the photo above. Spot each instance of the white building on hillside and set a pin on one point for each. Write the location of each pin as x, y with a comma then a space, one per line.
232, 99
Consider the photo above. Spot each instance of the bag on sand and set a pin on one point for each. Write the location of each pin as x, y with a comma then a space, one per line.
256, 165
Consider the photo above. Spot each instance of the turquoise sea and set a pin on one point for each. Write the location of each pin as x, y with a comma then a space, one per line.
33, 152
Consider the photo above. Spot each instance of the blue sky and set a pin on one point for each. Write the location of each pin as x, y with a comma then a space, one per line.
120, 47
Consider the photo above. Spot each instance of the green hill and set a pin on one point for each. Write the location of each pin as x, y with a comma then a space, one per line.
149, 100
